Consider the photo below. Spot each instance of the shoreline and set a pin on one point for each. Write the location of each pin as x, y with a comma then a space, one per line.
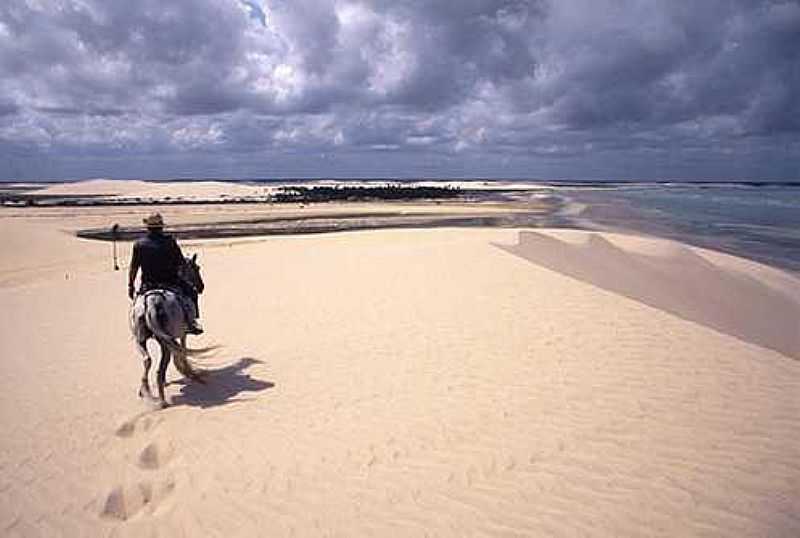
545, 216
465, 204
624, 216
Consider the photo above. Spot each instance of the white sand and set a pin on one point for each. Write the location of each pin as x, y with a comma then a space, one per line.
147, 189
403, 383
221, 190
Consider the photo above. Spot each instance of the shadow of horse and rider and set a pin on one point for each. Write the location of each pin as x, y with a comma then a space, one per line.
221, 387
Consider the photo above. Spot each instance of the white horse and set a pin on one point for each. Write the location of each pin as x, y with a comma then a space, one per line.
160, 314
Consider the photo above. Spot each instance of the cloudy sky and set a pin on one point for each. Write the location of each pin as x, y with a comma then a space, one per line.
592, 89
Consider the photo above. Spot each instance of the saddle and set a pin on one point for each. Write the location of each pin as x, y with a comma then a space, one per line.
184, 300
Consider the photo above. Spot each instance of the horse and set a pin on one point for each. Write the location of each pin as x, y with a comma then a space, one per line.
159, 313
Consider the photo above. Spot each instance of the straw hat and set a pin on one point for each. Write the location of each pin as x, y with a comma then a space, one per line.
154, 221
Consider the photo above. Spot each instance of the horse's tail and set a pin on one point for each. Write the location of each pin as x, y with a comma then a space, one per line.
180, 353
185, 367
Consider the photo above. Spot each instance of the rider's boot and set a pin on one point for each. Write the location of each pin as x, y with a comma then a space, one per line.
194, 327
192, 324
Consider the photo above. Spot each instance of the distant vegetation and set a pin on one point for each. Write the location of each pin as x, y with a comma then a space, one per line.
288, 194
362, 193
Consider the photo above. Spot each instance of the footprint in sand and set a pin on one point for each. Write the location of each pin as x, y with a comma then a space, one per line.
126, 430
155, 455
126, 500
123, 502
141, 422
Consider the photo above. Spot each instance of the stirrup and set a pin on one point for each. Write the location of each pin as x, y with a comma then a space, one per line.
193, 327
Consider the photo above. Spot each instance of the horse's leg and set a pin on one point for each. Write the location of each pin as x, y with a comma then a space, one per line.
144, 388
162, 373
187, 369
180, 356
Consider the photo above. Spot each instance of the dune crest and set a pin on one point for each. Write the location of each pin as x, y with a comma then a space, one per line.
677, 280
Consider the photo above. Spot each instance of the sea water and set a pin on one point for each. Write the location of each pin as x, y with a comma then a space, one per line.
760, 221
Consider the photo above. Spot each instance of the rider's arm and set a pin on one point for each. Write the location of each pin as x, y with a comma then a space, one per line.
134, 268
177, 254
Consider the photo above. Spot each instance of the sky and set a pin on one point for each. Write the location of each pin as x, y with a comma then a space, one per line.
539, 89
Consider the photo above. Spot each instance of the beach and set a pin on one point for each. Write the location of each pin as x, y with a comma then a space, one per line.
400, 382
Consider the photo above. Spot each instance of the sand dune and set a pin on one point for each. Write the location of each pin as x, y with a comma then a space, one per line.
682, 282
154, 190
100, 187
405, 383
220, 190
203, 190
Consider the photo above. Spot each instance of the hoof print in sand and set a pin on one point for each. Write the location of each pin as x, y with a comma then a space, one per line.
139, 422
126, 430
155, 455
123, 502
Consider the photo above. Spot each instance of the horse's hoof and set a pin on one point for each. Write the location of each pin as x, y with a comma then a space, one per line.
162, 404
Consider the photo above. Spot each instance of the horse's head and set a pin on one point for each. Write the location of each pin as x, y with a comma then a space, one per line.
191, 272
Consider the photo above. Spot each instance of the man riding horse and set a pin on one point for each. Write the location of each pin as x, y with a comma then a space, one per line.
160, 259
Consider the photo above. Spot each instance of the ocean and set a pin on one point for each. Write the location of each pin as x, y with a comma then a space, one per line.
756, 220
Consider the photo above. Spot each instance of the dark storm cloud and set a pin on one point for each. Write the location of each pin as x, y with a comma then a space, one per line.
8, 108
722, 60
516, 85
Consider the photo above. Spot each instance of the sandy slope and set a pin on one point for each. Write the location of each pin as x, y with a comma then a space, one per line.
213, 190
403, 383
145, 189
218, 189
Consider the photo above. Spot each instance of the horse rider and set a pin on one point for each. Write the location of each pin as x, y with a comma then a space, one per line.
160, 259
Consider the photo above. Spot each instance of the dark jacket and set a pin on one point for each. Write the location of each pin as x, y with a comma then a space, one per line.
159, 257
